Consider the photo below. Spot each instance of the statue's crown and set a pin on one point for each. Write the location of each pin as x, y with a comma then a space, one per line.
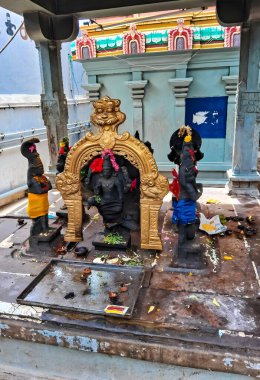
107, 102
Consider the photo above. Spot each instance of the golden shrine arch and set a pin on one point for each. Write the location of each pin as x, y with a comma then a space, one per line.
153, 186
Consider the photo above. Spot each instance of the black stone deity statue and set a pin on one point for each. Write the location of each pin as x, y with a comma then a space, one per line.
109, 189
185, 152
38, 187
110, 183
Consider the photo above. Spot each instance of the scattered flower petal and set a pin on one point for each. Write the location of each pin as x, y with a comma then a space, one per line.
151, 308
215, 302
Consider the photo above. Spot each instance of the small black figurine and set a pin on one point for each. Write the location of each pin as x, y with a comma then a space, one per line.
63, 152
38, 187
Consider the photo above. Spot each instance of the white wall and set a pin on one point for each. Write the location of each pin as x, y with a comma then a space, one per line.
13, 166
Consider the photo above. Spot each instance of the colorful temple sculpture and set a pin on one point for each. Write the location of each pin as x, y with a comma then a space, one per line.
180, 38
232, 36
197, 30
86, 46
134, 41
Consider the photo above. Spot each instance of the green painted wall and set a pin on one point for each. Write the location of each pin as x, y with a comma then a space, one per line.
162, 112
115, 88
158, 112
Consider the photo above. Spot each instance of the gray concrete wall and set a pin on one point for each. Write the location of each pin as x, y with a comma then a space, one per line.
32, 361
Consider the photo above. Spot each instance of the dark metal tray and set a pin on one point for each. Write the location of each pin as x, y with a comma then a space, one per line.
61, 277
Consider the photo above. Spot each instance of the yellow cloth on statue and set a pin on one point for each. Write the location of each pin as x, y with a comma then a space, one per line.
38, 205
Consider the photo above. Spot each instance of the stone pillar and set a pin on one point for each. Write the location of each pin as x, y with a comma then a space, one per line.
243, 177
180, 88
93, 91
53, 100
231, 91
137, 93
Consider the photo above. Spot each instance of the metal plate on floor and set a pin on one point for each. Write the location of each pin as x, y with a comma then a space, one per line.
62, 277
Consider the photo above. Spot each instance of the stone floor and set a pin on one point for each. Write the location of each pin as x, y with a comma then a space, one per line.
203, 319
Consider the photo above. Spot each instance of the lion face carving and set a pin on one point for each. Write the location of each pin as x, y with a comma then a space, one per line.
107, 113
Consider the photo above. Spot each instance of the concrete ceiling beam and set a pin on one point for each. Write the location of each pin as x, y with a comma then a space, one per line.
236, 12
103, 8
42, 26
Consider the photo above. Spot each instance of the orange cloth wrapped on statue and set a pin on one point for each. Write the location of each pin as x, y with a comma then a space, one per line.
38, 205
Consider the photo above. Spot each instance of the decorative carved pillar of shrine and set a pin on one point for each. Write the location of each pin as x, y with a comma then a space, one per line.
49, 31
231, 91
53, 100
180, 88
243, 177
137, 93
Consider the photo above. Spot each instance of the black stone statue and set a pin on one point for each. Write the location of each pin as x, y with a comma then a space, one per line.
109, 191
185, 152
63, 152
109, 181
38, 187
